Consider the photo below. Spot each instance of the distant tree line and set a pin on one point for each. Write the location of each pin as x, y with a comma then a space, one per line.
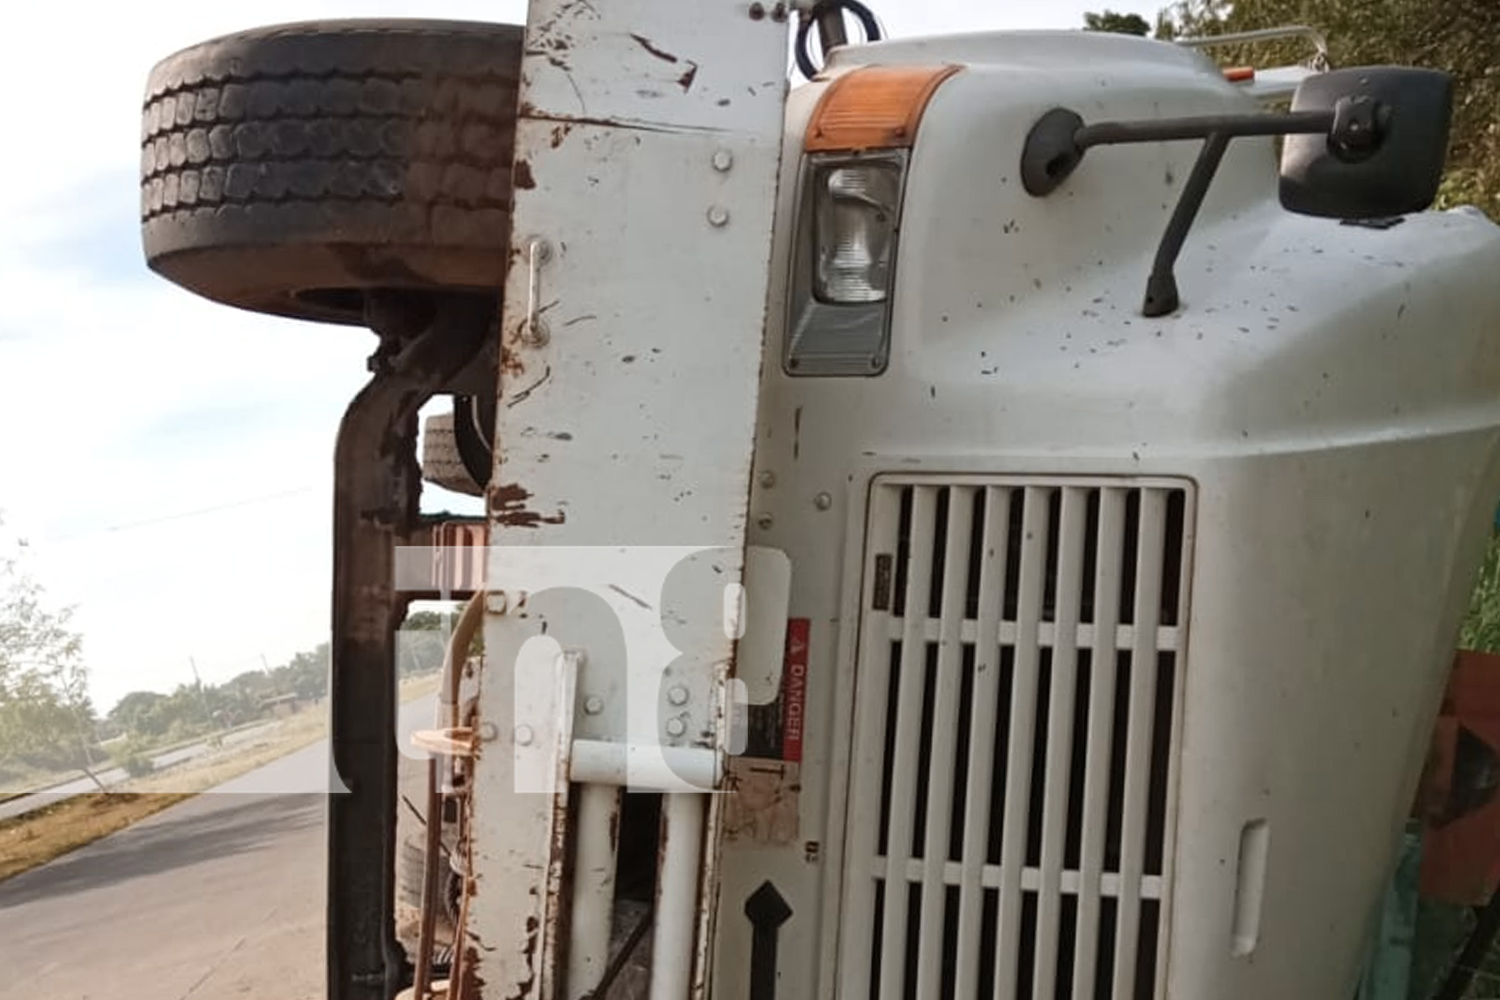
48, 724
190, 709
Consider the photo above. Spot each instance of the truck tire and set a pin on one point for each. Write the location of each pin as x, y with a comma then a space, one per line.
289, 169
442, 461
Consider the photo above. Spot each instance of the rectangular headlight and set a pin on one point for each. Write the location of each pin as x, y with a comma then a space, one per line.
855, 228
844, 263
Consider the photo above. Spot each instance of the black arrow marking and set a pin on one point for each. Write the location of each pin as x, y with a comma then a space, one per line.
767, 911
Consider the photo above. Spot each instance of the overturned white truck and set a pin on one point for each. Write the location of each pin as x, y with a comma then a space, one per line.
991, 520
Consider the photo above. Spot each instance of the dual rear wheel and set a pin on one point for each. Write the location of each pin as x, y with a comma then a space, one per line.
311, 170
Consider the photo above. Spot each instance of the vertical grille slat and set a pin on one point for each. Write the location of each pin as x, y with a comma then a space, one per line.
1058, 761
972, 943
1013, 771
863, 892
1022, 733
908, 711
1100, 740
940, 767
1148, 575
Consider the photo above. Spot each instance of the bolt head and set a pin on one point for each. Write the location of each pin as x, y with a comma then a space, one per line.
718, 216
823, 501
723, 160
676, 727
537, 333
593, 704
768, 479
678, 695
525, 735
764, 522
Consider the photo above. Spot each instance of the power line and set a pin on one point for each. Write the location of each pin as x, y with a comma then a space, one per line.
183, 515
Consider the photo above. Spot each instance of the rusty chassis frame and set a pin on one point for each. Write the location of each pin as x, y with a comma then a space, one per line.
425, 347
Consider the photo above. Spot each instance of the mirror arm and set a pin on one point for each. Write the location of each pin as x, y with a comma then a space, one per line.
1202, 127
1058, 140
1161, 287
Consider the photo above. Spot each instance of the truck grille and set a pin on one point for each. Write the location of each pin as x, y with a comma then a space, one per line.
1015, 738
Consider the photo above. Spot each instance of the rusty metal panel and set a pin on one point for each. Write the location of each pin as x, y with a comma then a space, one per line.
647, 158
653, 65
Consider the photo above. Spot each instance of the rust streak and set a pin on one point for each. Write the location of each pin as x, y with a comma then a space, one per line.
511, 362
685, 81
629, 596
524, 394
508, 507
796, 433
521, 176
647, 44
530, 111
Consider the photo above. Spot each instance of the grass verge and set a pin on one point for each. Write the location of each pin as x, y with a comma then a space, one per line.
40, 836
37, 837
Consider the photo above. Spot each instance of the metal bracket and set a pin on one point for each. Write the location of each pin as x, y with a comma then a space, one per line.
1319, 61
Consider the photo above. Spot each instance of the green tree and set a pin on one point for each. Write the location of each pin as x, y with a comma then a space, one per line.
1458, 36
134, 713
1120, 24
46, 717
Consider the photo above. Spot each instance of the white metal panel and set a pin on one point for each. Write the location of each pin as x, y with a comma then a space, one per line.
647, 156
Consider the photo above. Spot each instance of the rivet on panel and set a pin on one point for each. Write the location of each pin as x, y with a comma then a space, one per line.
767, 479
723, 160
718, 215
677, 695
488, 732
540, 249
537, 333
593, 705
764, 522
524, 735
823, 501
676, 727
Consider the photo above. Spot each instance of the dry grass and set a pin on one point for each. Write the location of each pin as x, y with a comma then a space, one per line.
38, 837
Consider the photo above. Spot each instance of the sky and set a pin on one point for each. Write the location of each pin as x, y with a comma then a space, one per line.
168, 460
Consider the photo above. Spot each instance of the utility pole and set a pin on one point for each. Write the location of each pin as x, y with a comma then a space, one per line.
202, 695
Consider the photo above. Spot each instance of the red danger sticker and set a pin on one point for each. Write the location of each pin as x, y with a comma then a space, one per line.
794, 688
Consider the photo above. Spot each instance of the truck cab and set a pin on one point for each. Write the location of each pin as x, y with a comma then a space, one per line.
990, 520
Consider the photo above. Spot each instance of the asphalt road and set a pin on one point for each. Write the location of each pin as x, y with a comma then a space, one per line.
218, 897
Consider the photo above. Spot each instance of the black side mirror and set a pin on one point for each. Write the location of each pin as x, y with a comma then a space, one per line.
1384, 155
